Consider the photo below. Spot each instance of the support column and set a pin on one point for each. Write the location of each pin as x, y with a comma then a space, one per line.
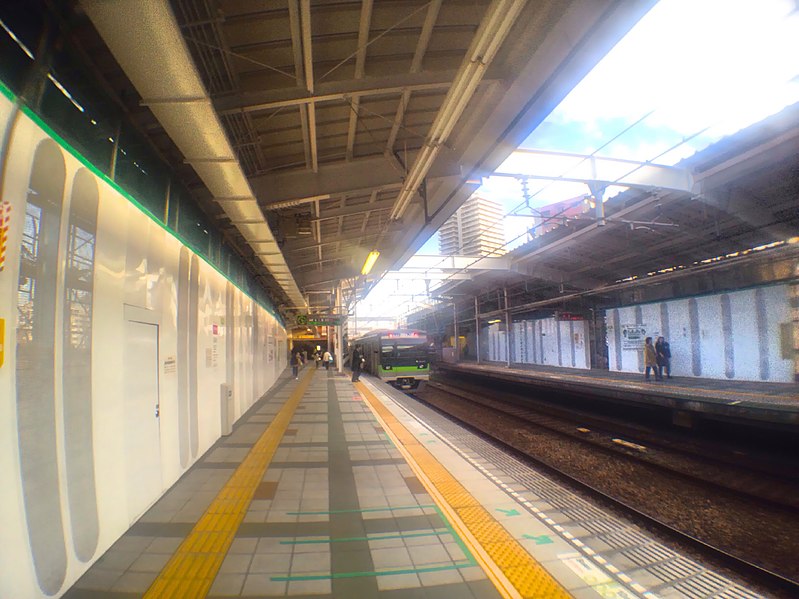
457, 348
477, 328
794, 302
507, 328
339, 331
598, 192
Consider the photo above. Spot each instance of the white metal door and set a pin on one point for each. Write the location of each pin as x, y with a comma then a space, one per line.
142, 435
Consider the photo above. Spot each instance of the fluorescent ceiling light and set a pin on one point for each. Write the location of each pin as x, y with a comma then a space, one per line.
370, 262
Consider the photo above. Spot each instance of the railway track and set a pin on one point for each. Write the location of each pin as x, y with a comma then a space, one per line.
755, 476
726, 494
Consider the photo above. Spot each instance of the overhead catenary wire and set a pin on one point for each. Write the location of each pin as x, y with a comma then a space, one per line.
559, 215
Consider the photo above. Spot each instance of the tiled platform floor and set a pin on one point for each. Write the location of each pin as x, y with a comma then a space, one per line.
338, 513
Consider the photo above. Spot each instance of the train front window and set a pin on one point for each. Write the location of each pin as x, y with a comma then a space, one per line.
403, 350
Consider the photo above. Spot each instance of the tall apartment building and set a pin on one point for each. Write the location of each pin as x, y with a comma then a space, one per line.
476, 229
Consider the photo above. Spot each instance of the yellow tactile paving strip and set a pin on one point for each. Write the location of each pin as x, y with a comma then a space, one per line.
192, 569
509, 566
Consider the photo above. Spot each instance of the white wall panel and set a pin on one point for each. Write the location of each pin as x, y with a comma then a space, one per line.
745, 346
109, 325
680, 336
711, 336
745, 339
537, 342
17, 577
778, 311
136, 266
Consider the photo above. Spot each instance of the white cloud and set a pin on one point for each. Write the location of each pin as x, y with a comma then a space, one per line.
696, 63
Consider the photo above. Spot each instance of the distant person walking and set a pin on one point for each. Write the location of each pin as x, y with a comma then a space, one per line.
663, 355
317, 358
356, 364
296, 362
650, 359
327, 358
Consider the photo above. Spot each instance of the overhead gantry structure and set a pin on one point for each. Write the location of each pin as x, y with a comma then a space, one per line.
726, 217
318, 131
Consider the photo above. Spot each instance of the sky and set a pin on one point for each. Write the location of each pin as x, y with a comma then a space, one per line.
691, 71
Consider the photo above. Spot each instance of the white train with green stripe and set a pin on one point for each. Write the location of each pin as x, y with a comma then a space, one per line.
399, 357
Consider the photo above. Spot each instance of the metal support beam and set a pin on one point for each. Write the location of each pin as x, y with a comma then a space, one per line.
421, 48
307, 62
361, 175
312, 243
457, 352
477, 328
334, 91
426, 275
497, 22
360, 59
583, 168
340, 331
362, 208
507, 327
459, 262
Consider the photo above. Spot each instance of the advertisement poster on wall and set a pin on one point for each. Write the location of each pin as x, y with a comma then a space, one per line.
632, 336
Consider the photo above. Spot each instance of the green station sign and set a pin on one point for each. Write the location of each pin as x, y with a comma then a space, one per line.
318, 320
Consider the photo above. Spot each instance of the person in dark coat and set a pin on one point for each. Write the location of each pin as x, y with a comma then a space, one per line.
296, 362
663, 352
357, 364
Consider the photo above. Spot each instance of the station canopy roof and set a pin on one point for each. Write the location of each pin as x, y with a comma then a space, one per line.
316, 131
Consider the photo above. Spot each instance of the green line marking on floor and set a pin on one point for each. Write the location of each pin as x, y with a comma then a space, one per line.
540, 539
409, 535
371, 509
455, 566
458, 540
509, 512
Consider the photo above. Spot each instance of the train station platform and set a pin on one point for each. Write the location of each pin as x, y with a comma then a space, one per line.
766, 402
328, 488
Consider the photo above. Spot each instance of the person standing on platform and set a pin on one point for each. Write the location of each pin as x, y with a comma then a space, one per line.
327, 358
356, 364
650, 359
296, 362
663, 351
317, 358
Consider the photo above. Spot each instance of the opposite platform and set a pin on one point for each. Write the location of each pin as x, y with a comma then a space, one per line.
747, 400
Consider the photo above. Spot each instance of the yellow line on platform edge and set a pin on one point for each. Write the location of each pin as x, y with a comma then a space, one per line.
512, 570
191, 570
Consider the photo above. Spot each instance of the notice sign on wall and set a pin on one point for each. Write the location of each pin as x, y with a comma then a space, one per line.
632, 336
170, 365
